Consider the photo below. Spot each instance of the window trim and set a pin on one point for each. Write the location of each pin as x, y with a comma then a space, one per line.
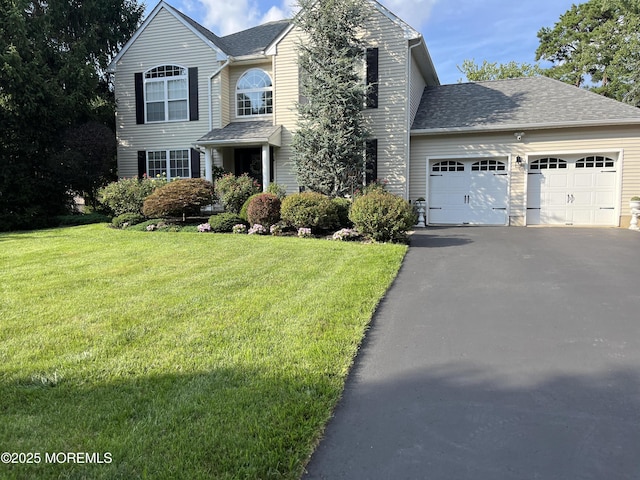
184, 75
167, 162
239, 91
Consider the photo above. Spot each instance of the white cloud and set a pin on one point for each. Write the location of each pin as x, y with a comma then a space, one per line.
230, 16
415, 12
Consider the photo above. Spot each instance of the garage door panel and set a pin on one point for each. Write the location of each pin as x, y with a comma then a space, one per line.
573, 193
468, 192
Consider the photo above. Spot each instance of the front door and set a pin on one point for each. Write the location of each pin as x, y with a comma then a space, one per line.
249, 161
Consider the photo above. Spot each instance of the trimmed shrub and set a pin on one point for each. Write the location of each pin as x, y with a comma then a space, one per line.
234, 191
179, 198
127, 195
342, 209
309, 209
264, 209
128, 219
382, 216
224, 222
245, 206
81, 219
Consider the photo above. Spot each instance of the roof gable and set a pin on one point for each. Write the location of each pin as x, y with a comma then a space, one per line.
256, 40
209, 38
535, 102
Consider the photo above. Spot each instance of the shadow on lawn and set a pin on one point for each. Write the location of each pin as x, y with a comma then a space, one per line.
235, 423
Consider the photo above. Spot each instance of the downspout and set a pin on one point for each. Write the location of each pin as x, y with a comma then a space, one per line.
408, 147
211, 77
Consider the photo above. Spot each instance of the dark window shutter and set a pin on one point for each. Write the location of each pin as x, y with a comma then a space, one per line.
195, 163
193, 93
372, 78
139, 87
142, 163
371, 164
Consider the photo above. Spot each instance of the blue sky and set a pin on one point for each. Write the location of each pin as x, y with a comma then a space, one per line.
455, 30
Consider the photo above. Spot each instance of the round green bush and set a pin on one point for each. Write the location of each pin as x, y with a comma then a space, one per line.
127, 218
342, 209
127, 195
179, 198
234, 191
264, 209
382, 216
245, 206
224, 222
310, 210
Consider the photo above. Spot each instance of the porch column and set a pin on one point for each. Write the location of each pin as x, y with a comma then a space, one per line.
208, 164
266, 167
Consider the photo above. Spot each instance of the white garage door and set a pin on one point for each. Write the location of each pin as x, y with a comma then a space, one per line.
562, 192
468, 192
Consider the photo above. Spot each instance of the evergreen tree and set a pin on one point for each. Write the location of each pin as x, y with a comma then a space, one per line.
329, 143
596, 44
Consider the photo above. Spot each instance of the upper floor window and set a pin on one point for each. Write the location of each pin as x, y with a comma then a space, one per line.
166, 94
254, 93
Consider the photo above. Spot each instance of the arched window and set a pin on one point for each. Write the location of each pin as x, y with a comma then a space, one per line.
254, 93
166, 94
548, 163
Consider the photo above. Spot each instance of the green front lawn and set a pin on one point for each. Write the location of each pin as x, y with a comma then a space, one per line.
182, 355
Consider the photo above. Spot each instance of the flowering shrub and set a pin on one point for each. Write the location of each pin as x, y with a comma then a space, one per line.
346, 234
304, 232
257, 229
240, 228
204, 227
276, 229
234, 191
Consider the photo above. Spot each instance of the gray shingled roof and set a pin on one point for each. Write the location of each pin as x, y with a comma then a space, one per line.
536, 102
244, 132
254, 40
247, 42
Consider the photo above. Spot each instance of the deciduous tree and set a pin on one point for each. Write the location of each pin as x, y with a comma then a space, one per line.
53, 55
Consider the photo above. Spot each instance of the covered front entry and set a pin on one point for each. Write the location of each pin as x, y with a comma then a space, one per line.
578, 192
468, 192
249, 161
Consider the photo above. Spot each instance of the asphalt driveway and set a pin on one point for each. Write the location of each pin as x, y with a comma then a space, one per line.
498, 353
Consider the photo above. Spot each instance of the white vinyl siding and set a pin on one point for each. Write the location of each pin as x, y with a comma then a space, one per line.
576, 141
165, 41
418, 85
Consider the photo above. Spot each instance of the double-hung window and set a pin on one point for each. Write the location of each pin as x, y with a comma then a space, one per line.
170, 163
166, 94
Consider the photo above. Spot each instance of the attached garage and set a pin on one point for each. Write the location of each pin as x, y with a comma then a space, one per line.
468, 192
581, 192
528, 151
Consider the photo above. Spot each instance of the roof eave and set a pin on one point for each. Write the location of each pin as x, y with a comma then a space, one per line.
525, 127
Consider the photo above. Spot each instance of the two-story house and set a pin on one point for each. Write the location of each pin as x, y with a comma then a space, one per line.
513, 152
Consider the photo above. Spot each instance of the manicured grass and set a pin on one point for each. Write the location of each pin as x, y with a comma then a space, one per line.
183, 355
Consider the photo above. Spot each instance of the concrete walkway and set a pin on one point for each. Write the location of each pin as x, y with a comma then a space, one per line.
499, 353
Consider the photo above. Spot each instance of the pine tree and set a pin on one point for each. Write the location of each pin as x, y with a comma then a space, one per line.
329, 143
